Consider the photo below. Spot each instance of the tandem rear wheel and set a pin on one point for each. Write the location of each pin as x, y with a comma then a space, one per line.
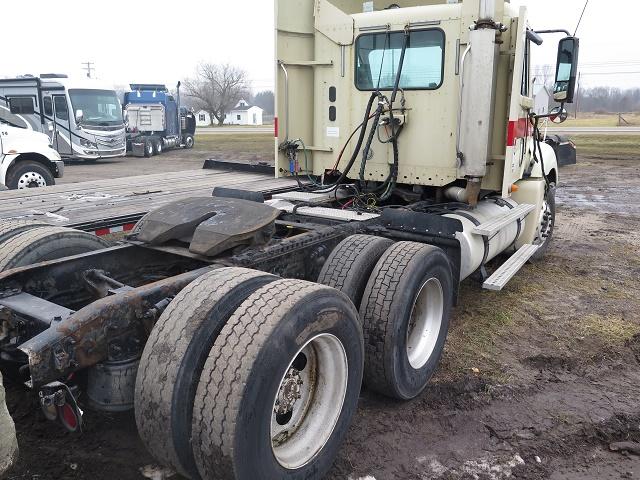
246, 376
405, 293
25, 243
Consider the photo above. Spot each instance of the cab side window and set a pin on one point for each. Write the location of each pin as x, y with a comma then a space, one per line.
21, 105
62, 112
48, 106
524, 89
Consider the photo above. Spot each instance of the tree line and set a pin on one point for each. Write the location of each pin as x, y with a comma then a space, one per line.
608, 99
217, 89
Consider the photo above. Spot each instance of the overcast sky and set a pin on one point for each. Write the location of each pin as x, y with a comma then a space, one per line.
134, 41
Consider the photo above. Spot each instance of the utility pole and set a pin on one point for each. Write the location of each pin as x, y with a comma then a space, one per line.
577, 96
89, 67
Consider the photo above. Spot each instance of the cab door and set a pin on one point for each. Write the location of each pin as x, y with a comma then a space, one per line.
62, 125
518, 140
49, 121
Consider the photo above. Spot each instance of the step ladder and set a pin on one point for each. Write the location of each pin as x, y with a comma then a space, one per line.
508, 269
493, 226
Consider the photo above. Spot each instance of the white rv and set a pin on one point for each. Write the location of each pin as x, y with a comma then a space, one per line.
82, 118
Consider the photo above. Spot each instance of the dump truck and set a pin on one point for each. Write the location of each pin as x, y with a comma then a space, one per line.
241, 327
155, 120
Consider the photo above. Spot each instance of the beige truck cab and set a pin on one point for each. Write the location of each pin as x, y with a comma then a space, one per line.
450, 118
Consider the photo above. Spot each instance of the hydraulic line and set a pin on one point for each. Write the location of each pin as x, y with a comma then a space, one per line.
537, 149
372, 131
356, 151
394, 138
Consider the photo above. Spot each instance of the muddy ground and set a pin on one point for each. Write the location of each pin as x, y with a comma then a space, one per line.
536, 382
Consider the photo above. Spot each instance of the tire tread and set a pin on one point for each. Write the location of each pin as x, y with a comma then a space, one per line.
227, 369
165, 348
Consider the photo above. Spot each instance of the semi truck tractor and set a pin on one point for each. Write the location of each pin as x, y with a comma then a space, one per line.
27, 159
239, 328
155, 120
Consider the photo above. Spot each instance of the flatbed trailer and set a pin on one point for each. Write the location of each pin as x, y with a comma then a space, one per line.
112, 205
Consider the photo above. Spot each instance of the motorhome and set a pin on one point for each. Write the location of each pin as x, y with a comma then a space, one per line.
83, 118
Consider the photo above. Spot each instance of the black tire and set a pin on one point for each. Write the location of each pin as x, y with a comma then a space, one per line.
173, 358
29, 174
234, 404
386, 311
11, 228
189, 141
148, 148
550, 198
157, 146
350, 264
46, 243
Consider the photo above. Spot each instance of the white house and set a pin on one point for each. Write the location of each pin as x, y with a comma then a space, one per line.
242, 114
203, 119
541, 99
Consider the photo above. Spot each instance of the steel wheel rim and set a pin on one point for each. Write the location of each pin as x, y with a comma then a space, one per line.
425, 322
31, 180
189, 142
313, 406
546, 222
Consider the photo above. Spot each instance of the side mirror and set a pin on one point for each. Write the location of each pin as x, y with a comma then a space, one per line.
79, 116
566, 70
558, 114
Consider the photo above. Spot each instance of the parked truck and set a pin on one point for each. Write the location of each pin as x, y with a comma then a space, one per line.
27, 159
156, 121
83, 118
240, 329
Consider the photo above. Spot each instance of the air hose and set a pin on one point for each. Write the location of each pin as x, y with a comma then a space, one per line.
537, 150
356, 151
391, 180
372, 131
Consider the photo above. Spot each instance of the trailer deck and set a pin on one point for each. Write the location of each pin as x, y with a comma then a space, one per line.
112, 205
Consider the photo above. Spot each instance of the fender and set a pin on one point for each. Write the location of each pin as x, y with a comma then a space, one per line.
550, 165
52, 161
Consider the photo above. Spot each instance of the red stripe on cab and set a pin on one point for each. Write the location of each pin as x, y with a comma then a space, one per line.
520, 128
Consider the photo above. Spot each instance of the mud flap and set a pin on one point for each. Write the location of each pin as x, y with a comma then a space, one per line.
8, 442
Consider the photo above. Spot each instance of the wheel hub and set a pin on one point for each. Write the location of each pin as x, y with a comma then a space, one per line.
31, 180
308, 401
424, 324
289, 393
545, 222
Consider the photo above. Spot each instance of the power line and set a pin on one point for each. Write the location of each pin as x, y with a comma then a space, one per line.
610, 73
580, 20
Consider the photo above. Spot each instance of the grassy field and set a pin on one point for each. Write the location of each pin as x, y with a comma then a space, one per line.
608, 145
248, 143
601, 120
261, 145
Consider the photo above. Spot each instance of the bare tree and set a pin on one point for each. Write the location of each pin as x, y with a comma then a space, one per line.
217, 88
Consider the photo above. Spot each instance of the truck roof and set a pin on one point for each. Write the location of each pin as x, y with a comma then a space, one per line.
57, 81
